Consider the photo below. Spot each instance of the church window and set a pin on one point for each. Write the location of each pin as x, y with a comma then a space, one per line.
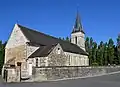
69, 59
75, 40
36, 62
58, 50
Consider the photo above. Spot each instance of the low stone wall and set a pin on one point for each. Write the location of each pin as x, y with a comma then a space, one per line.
13, 75
54, 73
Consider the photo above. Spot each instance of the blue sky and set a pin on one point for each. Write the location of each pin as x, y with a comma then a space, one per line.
100, 18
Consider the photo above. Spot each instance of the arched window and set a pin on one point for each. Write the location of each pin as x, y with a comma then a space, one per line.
75, 40
36, 62
58, 50
69, 60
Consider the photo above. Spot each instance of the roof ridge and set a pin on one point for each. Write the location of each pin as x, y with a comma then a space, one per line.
43, 33
35, 30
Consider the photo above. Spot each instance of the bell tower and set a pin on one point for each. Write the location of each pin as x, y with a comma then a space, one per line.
77, 35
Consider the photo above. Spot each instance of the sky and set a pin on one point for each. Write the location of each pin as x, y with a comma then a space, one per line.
100, 18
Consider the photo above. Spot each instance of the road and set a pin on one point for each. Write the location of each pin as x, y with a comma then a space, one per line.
101, 81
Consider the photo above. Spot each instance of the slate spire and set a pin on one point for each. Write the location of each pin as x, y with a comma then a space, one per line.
77, 26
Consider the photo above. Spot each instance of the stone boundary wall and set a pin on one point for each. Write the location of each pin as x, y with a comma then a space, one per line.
55, 73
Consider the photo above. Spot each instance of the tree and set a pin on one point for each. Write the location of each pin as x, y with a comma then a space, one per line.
116, 58
110, 51
87, 44
2, 54
98, 55
101, 51
105, 54
94, 50
67, 39
60, 38
118, 48
63, 38
90, 51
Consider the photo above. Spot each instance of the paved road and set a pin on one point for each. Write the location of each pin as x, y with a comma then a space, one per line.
101, 81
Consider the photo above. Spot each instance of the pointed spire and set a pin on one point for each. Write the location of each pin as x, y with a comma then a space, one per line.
78, 25
77, 22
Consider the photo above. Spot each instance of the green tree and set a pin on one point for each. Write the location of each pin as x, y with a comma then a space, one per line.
98, 55
110, 51
90, 51
67, 39
2, 54
116, 58
63, 38
87, 44
118, 49
94, 50
105, 54
60, 38
101, 53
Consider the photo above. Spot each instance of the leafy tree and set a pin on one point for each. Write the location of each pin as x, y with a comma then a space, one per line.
105, 55
101, 53
87, 44
63, 38
110, 51
67, 39
116, 58
60, 38
91, 43
90, 51
118, 48
98, 55
2, 54
94, 50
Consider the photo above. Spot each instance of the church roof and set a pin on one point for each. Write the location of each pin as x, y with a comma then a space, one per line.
46, 40
78, 25
43, 51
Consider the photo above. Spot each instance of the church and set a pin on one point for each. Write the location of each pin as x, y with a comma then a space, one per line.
27, 48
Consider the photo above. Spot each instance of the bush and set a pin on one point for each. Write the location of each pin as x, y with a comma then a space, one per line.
95, 64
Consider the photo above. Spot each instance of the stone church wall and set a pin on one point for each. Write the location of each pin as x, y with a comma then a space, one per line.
16, 38
56, 57
16, 45
80, 39
13, 74
61, 59
19, 53
53, 59
31, 49
76, 59
55, 73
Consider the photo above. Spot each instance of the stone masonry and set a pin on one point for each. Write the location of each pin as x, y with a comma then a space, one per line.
55, 59
55, 73
19, 53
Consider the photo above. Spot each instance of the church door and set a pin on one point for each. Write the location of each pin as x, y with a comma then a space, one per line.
5, 75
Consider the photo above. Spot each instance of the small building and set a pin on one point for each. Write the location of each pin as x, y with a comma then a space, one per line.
27, 48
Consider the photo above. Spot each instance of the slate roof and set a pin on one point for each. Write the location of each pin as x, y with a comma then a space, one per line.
78, 25
43, 51
46, 40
